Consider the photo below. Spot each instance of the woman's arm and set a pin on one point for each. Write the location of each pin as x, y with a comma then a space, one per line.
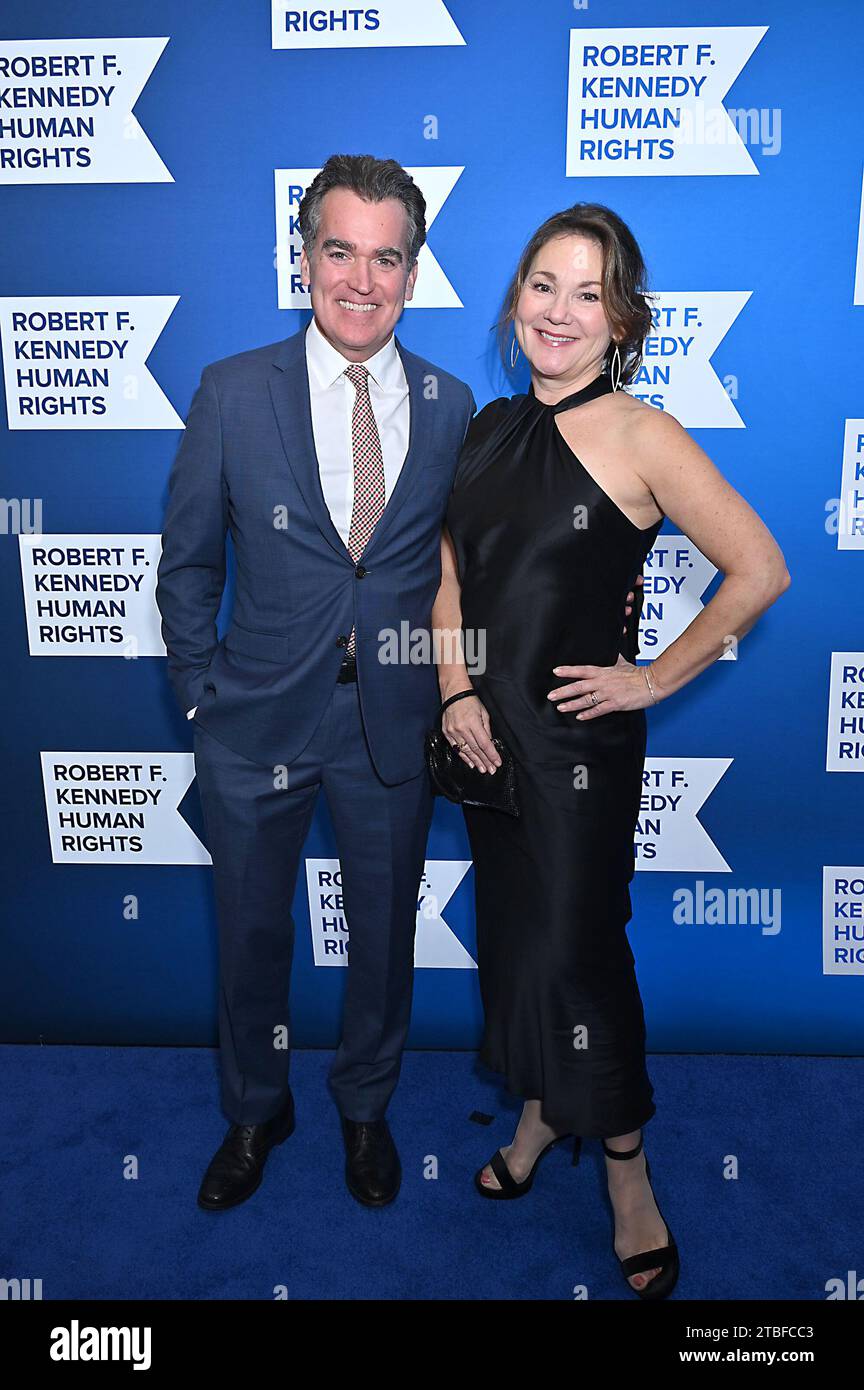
466, 721
706, 508
447, 624
696, 497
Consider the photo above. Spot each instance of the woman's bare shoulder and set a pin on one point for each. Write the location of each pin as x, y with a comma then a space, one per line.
644, 416
646, 429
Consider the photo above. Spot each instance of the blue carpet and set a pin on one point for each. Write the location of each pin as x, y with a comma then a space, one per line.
72, 1117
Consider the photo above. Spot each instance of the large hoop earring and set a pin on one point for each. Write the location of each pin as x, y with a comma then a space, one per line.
514, 356
615, 366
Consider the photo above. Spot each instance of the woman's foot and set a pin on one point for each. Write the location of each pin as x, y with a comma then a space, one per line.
638, 1223
531, 1137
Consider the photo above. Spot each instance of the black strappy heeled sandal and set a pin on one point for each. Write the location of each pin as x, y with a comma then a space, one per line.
510, 1188
665, 1259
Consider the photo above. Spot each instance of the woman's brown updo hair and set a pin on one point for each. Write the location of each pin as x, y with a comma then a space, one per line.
624, 295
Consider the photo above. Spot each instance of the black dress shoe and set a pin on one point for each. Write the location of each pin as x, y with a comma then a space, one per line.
237, 1167
372, 1169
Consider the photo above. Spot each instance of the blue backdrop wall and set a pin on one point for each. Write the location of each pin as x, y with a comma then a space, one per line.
176, 222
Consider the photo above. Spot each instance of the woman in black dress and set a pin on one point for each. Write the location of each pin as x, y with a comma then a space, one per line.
558, 498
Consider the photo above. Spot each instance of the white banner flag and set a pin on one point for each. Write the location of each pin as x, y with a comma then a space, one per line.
119, 808
650, 101
387, 24
77, 363
66, 107
668, 834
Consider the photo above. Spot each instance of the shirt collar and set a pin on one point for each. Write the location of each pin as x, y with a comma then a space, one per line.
326, 364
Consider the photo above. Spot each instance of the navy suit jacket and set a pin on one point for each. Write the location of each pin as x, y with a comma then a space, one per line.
247, 464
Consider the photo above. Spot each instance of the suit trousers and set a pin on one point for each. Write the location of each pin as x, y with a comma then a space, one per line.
256, 825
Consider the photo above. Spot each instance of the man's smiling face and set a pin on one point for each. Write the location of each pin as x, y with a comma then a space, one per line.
358, 273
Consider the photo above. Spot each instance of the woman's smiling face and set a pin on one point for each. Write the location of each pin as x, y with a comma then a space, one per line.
560, 322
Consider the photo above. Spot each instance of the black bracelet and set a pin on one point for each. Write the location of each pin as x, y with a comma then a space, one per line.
461, 696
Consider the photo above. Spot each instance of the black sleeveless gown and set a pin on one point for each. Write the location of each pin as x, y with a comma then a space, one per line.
545, 560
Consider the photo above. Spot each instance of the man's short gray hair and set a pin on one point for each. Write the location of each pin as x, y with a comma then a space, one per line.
372, 179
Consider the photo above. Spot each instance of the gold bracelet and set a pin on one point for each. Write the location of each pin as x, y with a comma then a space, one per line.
648, 682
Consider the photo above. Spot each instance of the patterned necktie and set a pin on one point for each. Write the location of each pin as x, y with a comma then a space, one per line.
369, 495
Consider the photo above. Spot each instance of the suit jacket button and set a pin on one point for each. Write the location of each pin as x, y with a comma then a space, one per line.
341, 641
360, 571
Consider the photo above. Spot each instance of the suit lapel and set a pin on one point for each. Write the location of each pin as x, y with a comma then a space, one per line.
289, 391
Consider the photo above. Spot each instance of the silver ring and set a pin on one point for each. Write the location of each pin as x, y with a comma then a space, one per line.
594, 699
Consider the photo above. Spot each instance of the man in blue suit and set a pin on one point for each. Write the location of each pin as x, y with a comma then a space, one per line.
329, 456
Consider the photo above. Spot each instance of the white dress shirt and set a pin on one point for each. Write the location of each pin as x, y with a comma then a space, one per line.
332, 399
332, 396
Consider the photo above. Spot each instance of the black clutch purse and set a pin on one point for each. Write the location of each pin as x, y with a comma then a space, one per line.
453, 778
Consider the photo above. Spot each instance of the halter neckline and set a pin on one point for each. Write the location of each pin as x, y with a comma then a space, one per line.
598, 387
